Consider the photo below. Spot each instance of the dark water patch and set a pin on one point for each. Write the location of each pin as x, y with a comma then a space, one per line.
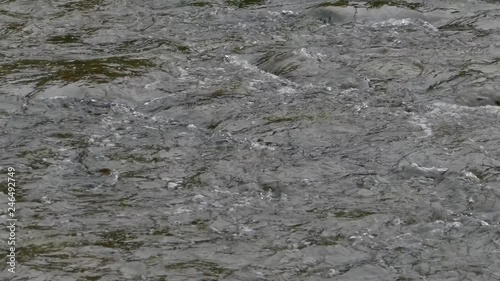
219, 93
233, 90
457, 77
455, 26
194, 180
61, 135
146, 44
125, 202
380, 3
64, 39
297, 116
278, 63
353, 214
201, 224
38, 227
195, 4
479, 23
206, 98
245, 3
76, 142
38, 158
89, 30
319, 238
138, 156
16, 15
182, 48
214, 124
404, 278
4, 187
28, 253
280, 119
88, 193
119, 239
19, 192
339, 3
289, 118
164, 231
12, 28
101, 70
328, 240
137, 174
105, 171
471, 86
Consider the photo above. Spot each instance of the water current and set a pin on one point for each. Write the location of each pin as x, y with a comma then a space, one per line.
250, 140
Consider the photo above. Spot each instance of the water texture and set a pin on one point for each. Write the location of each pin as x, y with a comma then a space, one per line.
251, 140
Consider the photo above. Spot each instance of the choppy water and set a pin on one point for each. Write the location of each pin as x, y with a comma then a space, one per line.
252, 140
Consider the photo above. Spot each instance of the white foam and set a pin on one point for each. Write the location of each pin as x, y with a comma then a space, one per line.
453, 109
246, 65
258, 146
471, 175
424, 124
287, 90
404, 22
426, 169
393, 22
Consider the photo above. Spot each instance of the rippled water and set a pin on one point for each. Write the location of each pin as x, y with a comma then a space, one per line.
252, 140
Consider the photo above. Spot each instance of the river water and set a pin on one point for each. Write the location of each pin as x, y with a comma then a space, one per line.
251, 139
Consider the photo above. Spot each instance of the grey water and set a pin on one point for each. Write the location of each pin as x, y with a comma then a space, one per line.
251, 139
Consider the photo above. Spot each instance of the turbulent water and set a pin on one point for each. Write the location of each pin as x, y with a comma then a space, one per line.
251, 139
